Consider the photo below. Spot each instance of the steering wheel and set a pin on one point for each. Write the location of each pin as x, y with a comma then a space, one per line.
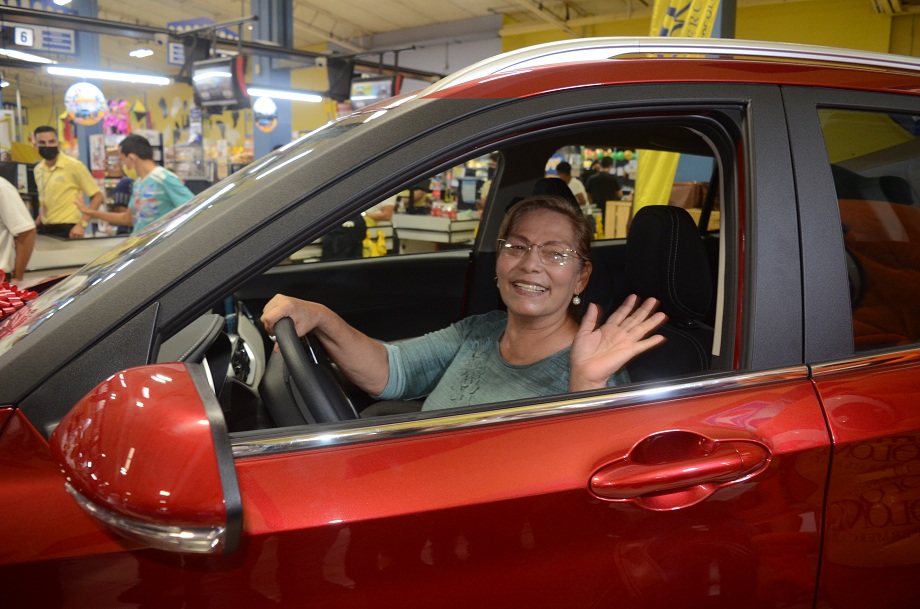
312, 374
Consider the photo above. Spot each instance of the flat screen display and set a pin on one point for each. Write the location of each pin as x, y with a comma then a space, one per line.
468, 190
218, 83
367, 91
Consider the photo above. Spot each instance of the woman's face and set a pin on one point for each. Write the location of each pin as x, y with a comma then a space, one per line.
530, 288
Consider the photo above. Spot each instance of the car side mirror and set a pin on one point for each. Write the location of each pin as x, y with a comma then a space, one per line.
147, 454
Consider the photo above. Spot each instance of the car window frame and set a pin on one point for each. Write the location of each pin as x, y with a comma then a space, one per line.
249, 443
828, 313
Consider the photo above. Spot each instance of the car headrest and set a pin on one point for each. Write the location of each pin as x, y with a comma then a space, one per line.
666, 259
896, 189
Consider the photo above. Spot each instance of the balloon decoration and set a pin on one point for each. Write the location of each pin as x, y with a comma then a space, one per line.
118, 120
265, 114
85, 103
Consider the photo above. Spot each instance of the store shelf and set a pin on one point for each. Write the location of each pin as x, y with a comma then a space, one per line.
435, 229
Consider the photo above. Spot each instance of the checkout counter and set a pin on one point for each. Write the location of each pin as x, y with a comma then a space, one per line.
52, 256
419, 233
414, 234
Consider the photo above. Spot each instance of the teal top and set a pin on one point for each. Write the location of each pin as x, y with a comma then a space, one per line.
461, 366
158, 193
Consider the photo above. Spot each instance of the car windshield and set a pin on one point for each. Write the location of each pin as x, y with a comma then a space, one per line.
157, 234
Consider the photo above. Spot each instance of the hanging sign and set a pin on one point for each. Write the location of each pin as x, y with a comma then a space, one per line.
265, 114
85, 103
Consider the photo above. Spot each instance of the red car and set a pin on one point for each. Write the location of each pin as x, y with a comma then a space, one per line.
155, 451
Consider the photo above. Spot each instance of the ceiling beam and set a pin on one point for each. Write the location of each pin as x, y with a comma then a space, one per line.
329, 37
538, 10
515, 29
143, 32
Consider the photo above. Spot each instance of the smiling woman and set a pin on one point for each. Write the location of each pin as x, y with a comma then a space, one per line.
523, 352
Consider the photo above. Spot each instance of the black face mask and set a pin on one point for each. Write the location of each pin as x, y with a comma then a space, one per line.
49, 153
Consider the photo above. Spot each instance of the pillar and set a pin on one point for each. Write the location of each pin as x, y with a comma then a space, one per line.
88, 52
275, 24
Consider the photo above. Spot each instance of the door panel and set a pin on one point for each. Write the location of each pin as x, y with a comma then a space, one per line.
388, 298
504, 513
871, 554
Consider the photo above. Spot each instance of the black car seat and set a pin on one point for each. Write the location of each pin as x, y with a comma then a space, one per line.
666, 259
896, 189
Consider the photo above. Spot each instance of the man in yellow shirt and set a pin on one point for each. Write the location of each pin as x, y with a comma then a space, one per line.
61, 180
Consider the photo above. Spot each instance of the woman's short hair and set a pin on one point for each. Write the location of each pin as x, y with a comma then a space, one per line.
581, 226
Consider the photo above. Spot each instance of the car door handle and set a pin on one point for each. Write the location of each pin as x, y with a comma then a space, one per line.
677, 469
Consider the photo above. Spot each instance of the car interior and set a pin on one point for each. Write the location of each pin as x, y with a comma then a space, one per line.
661, 251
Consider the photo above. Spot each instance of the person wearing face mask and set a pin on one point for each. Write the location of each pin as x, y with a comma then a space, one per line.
539, 346
61, 180
156, 191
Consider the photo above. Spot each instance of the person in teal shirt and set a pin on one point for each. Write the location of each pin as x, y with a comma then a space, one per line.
538, 347
156, 192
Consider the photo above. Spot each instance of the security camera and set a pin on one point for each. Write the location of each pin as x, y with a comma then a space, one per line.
160, 39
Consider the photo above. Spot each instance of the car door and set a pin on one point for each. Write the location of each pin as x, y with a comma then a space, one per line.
706, 491
861, 244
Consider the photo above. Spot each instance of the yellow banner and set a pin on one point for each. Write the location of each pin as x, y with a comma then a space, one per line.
684, 18
670, 18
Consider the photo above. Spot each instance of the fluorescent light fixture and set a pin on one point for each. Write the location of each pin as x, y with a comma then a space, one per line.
147, 79
62, 2
140, 53
210, 74
14, 54
4, 83
284, 94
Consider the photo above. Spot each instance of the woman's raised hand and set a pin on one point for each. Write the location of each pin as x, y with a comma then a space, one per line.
598, 352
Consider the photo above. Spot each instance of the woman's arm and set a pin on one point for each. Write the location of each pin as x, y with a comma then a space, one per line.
361, 359
599, 352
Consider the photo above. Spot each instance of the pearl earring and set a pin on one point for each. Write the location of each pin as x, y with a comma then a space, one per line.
576, 300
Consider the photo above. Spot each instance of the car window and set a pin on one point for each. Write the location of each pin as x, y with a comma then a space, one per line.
419, 255
875, 164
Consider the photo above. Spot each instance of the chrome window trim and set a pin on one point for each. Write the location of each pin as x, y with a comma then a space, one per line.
908, 355
299, 439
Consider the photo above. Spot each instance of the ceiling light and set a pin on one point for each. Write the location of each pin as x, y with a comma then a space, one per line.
140, 53
14, 54
4, 83
148, 79
62, 2
285, 94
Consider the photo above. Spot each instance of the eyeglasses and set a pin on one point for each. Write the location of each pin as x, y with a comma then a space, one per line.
551, 252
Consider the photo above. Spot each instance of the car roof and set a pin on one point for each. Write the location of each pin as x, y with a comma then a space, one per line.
596, 54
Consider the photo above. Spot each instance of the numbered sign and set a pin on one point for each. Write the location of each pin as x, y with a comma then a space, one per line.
24, 36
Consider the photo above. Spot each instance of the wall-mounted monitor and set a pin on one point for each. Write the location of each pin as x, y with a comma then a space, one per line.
219, 84
367, 91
